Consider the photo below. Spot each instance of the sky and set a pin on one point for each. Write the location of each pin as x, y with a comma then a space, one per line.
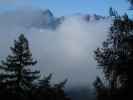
67, 7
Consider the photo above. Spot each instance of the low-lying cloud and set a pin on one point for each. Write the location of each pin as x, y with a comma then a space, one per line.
67, 51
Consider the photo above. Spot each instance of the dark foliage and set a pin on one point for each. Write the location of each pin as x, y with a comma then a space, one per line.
131, 1
115, 59
19, 82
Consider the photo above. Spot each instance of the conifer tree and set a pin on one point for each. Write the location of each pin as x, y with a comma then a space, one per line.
131, 2
45, 82
16, 76
115, 56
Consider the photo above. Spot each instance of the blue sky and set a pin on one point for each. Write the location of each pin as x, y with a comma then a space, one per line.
67, 7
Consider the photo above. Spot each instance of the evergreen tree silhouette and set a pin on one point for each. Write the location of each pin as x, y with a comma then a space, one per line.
18, 81
45, 82
114, 57
113, 12
16, 76
131, 3
48, 91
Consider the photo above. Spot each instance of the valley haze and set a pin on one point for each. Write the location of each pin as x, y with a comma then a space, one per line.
63, 46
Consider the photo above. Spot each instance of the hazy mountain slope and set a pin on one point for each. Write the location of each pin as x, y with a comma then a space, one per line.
37, 19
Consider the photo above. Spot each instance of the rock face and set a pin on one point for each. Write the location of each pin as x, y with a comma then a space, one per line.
47, 20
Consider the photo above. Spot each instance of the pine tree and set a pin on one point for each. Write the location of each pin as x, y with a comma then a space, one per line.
48, 91
113, 12
101, 90
45, 82
98, 83
59, 91
16, 75
61, 85
131, 2
114, 56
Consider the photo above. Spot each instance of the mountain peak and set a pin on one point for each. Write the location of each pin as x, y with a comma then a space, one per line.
93, 17
48, 12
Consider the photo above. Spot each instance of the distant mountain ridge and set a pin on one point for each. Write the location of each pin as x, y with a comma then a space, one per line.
39, 19
53, 22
